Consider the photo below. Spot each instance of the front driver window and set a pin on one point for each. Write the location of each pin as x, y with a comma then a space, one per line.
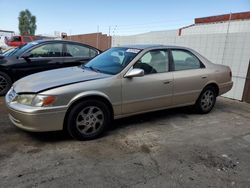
155, 61
47, 50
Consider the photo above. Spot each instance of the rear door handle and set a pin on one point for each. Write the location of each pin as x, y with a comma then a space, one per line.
203, 77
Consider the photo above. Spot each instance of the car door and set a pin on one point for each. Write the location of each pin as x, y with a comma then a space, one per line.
76, 54
41, 58
153, 90
190, 76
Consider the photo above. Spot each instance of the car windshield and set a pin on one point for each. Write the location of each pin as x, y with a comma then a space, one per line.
19, 50
113, 60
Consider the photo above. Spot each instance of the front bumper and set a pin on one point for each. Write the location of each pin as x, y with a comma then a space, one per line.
36, 119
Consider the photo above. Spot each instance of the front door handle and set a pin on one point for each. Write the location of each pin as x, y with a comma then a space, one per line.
204, 77
167, 82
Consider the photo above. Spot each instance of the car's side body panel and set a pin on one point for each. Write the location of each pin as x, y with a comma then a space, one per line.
188, 85
34, 65
108, 88
147, 93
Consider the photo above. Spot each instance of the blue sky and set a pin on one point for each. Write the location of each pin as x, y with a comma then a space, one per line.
124, 17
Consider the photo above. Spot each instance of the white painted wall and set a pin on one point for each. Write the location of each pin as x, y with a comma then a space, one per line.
6, 34
212, 41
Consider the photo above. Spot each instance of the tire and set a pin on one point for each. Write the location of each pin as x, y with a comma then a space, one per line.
206, 100
88, 120
5, 83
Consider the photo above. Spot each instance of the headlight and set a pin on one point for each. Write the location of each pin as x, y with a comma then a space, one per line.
25, 99
35, 100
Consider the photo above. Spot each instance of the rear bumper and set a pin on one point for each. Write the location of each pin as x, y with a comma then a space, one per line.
225, 87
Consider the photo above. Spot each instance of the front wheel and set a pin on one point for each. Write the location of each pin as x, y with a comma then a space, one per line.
206, 100
88, 119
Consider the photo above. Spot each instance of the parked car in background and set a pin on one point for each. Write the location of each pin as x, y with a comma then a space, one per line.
20, 40
40, 56
120, 82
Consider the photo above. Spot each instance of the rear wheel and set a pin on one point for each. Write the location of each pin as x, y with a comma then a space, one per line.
5, 83
88, 120
206, 100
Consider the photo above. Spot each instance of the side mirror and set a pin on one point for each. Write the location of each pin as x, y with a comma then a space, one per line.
26, 55
135, 73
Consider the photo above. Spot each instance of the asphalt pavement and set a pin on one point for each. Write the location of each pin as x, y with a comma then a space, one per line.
170, 148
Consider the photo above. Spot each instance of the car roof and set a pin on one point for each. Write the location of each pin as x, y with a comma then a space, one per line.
66, 41
53, 40
151, 46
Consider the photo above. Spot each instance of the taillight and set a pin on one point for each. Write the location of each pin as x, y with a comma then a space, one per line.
230, 73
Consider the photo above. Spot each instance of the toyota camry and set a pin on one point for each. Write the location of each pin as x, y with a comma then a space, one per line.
120, 82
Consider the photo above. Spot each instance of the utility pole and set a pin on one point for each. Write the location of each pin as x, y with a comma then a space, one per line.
109, 30
97, 37
226, 38
113, 36
109, 41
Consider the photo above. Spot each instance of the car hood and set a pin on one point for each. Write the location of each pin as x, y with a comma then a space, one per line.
42, 81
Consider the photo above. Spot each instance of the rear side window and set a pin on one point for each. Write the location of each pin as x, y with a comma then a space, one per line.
47, 50
80, 51
184, 60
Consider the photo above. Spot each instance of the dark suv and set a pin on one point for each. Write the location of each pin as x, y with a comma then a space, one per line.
40, 56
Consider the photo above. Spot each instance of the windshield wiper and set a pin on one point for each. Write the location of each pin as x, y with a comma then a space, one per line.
92, 68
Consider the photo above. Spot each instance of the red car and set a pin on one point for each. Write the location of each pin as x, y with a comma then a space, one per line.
20, 40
